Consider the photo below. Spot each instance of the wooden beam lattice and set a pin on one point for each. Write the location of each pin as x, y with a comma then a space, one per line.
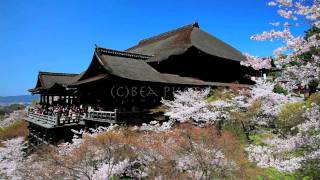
103, 116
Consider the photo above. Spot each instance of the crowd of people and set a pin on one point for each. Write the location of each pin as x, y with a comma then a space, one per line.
70, 111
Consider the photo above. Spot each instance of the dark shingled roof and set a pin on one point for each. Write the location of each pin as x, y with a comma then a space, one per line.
132, 66
126, 66
47, 80
90, 79
178, 41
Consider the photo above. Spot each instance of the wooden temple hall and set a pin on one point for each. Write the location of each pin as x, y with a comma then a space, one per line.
123, 86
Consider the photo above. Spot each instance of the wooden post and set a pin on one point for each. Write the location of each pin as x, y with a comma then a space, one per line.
38, 138
41, 97
43, 101
115, 114
57, 118
47, 99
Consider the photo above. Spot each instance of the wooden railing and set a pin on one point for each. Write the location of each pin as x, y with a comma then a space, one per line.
45, 119
58, 120
54, 120
74, 119
103, 116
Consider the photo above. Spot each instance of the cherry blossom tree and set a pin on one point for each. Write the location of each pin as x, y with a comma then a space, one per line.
296, 70
193, 105
282, 152
203, 162
256, 62
189, 105
13, 117
299, 60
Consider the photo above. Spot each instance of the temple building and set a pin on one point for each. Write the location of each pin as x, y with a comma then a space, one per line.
51, 85
121, 84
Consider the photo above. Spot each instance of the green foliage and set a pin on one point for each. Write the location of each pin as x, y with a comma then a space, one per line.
313, 84
312, 31
235, 128
314, 98
35, 102
256, 139
11, 127
309, 171
246, 117
280, 90
307, 56
220, 94
302, 59
273, 174
15, 130
14, 107
274, 73
304, 56
2, 112
291, 115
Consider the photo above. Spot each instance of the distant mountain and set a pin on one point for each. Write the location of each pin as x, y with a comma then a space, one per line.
22, 99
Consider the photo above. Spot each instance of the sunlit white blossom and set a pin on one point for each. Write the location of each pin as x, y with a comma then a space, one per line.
11, 157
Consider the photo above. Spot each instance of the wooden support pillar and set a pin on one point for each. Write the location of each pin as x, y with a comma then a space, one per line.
75, 100
41, 97
68, 97
47, 99
42, 100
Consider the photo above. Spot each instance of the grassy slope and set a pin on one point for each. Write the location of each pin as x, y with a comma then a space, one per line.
18, 129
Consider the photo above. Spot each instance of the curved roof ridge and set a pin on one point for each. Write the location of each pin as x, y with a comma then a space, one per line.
165, 34
56, 73
123, 53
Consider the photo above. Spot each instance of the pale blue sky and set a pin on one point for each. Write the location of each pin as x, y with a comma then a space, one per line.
59, 35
